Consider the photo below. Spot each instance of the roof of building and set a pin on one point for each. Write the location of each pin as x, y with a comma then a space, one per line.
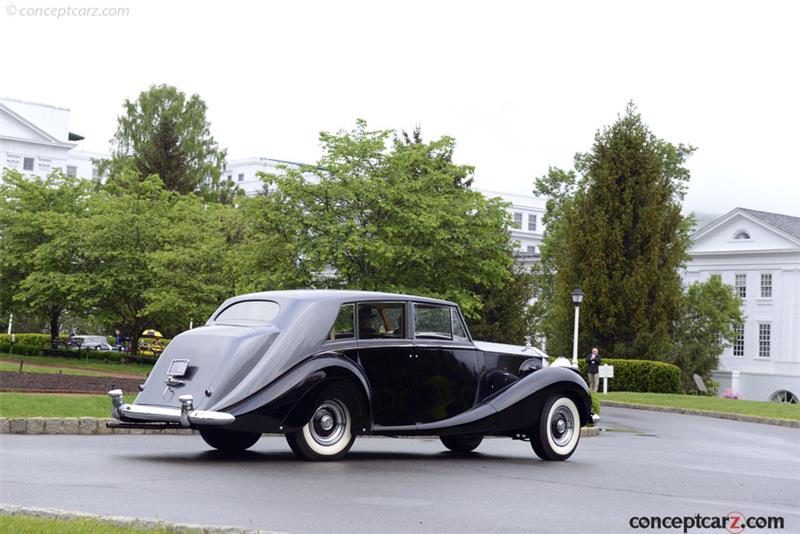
787, 223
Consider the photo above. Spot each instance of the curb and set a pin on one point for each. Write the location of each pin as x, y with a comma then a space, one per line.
124, 521
86, 426
89, 426
789, 423
590, 431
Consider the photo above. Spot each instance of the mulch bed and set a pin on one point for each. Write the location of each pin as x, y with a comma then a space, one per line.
57, 383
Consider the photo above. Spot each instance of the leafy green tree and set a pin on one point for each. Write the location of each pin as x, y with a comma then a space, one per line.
710, 313
384, 213
38, 218
167, 134
619, 235
151, 257
507, 315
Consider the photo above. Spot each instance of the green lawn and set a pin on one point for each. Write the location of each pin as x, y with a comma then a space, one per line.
55, 405
710, 404
67, 363
33, 368
18, 524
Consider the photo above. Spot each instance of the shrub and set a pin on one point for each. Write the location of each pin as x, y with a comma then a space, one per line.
642, 376
26, 344
595, 403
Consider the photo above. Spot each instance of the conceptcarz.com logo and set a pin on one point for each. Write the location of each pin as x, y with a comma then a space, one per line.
733, 522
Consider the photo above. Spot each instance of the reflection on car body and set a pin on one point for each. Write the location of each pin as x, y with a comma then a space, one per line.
323, 367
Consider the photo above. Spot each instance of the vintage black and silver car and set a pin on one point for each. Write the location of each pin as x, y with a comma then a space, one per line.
324, 366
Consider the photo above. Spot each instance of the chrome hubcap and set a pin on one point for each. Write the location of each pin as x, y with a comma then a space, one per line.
327, 425
326, 422
562, 426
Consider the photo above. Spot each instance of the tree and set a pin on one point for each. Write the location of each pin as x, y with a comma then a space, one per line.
165, 133
151, 257
620, 236
383, 214
38, 218
507, 315
710, 314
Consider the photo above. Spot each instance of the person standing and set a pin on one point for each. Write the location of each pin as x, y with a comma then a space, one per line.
593, 362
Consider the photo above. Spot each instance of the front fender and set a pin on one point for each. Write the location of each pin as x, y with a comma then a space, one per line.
519, 405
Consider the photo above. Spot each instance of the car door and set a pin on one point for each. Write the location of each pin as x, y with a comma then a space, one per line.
386, 354
445, 364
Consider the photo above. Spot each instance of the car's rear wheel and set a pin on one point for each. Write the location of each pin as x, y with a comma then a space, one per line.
557, 434
462, 443
228, 440
328, 433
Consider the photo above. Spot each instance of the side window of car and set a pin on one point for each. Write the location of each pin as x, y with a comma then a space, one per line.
381, 320
343, 328
432, 322
459, 332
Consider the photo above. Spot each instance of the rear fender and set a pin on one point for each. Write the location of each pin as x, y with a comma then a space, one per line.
286, 403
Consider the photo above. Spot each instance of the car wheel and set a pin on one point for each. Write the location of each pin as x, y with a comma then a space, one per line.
228, 440
462, 444
558, 431
328, 433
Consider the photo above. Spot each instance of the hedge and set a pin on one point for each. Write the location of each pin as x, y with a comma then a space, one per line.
641, 376
26, 344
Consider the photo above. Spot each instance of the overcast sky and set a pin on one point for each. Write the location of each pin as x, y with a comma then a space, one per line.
520, 85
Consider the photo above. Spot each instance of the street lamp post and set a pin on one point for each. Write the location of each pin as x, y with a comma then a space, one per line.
577, 298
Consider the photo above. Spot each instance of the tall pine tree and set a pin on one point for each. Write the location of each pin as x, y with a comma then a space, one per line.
622, 239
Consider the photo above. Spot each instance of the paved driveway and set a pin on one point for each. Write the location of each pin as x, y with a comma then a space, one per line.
647, 463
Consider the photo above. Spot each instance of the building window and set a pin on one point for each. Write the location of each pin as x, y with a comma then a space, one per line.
241, 177
738, 342
27, 164
741, 234
72, 171
766, 285
531, 223
517, 220
531, 249
740, 283
764, 333
95, 173
230, 177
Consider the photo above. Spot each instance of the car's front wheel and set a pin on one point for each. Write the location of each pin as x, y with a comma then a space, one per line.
228, 440
328, 433
462, 444
557, 434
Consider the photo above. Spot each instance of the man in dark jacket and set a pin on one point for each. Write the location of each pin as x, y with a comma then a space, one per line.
593, 362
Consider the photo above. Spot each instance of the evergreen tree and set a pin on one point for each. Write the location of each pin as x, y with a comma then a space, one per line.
621, 237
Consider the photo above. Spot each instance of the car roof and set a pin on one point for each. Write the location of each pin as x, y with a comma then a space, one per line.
338, 295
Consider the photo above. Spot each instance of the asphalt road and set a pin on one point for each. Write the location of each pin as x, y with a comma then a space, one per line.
647, 463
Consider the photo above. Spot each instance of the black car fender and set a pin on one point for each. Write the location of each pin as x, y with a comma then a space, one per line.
520, 405
288, 402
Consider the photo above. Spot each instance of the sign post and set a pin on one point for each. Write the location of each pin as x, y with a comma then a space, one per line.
606, 372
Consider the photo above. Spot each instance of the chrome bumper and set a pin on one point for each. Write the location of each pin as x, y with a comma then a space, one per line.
186, 415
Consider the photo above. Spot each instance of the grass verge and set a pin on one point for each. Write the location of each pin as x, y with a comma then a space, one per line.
76, 363
34, 368
53, 405
709, 404
19, 524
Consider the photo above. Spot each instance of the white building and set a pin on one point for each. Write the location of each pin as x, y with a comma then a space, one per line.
243, 172
758, 253
35, 139
527, 229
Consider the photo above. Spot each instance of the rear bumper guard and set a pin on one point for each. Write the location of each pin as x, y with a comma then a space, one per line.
186, 416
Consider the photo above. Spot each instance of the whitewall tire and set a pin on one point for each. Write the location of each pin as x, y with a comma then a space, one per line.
559, 429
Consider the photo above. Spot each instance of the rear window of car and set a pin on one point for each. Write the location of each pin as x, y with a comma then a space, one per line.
249, 311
